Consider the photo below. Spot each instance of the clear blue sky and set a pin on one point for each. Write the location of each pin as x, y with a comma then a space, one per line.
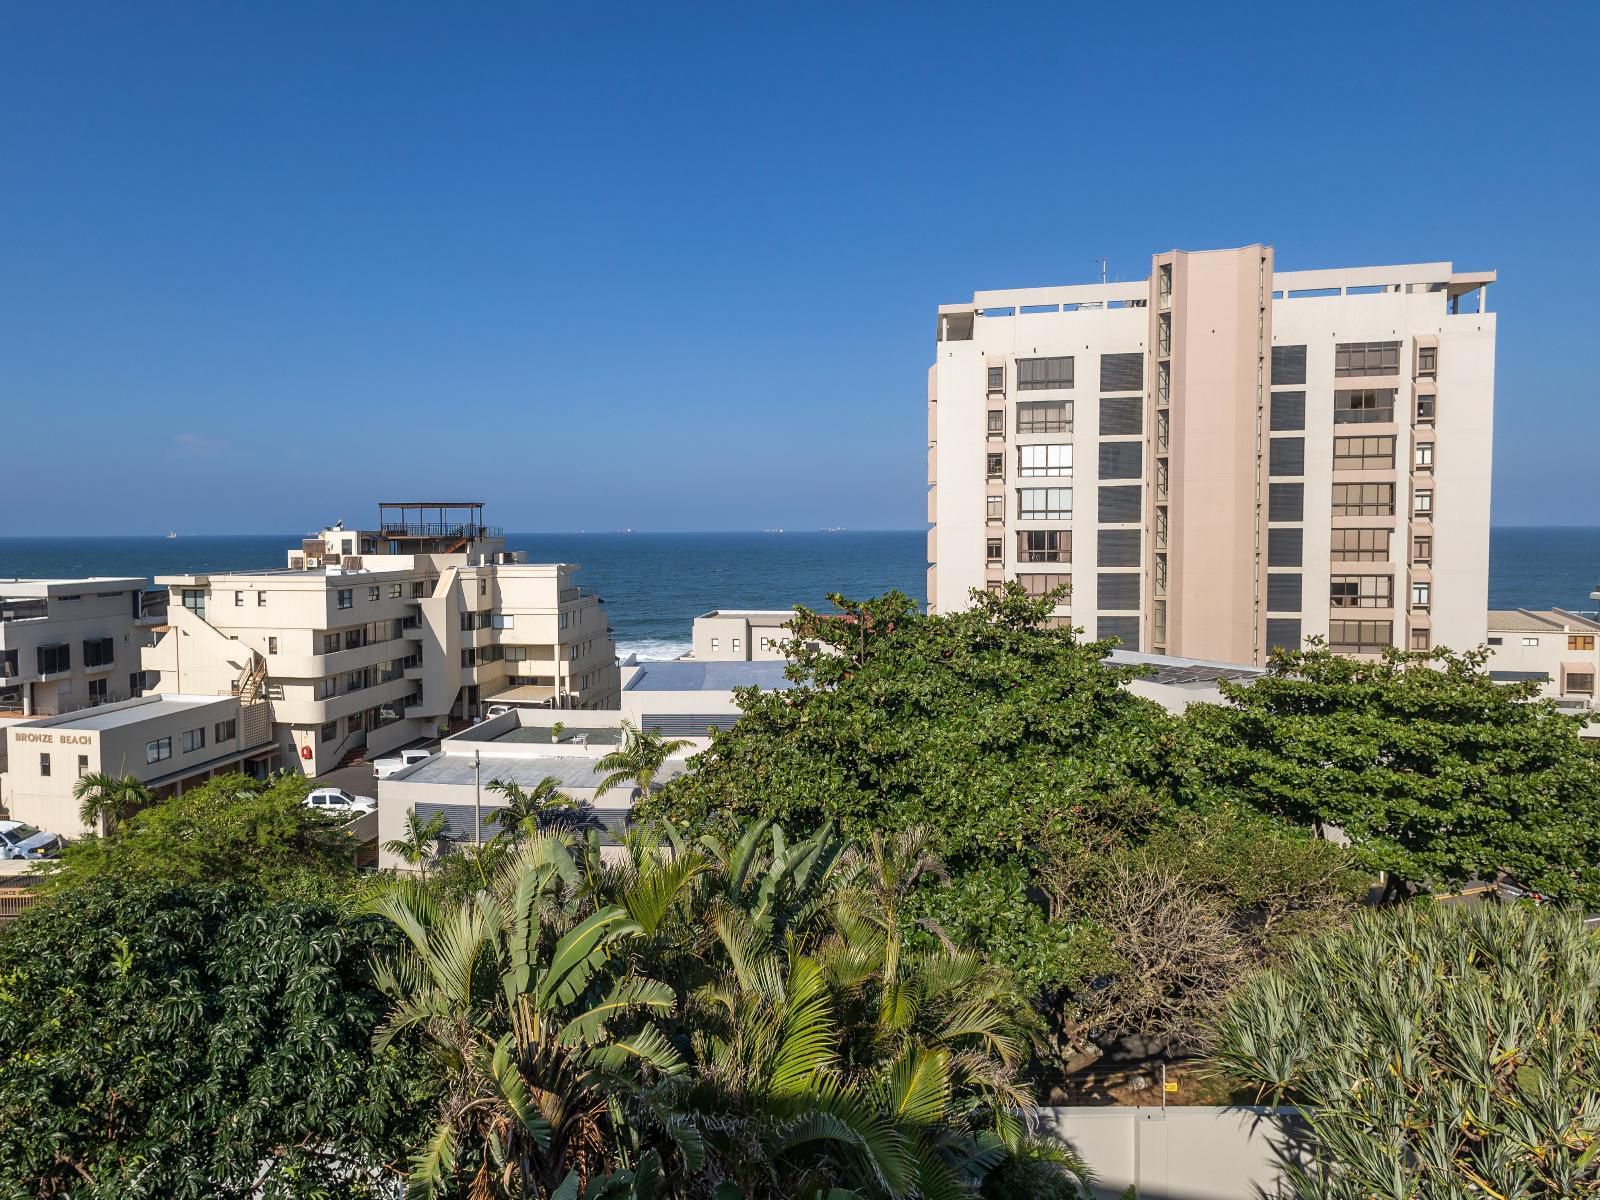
675, 266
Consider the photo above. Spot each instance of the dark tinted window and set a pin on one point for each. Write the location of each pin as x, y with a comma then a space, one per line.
1286, 502
1288, 410
1119, 547
1119, 504
1283, 632
1283, 593
1118, 589
1121, 372
1288, 364
1288, 456
1122, 416
1285, 547
1121, 460
1124, 629
1035, 374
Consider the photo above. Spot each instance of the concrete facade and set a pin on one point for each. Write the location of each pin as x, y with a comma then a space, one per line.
372, 639
67, 644
1222, 458
1555, 648
167, 742
741, 635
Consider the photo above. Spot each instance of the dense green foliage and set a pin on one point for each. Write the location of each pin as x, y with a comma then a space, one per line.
196, 1041
1440, 1052
229, 829
1436, 773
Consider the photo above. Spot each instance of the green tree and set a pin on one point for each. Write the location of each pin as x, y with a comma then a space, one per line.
542, 807
161, 1041
1435, 772
421, 842
228, 829
1436, 1052
106, 801
638, 760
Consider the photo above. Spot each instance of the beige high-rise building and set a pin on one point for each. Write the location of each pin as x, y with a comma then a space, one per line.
1221, 458
370, 639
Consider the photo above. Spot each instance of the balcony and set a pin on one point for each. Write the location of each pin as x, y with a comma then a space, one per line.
22, 610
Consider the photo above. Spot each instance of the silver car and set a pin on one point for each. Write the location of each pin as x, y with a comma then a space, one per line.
20, 840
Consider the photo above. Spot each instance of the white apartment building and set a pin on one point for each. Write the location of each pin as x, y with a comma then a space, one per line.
67, 644
1553, 647
741, 634
1220, 458
371, 639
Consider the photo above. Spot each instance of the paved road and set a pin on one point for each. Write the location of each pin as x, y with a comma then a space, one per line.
359, 780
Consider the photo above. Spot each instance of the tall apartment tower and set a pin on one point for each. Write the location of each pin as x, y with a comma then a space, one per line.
1221, 459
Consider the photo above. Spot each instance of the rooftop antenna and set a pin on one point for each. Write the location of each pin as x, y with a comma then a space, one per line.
1102, 263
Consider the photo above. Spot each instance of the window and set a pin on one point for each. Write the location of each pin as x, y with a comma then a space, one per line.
1368, 406
98, 691
713, 646
1496, 641
345, 598
1284, 592
997, 466
1121, 416
1164, 335
44, 764
1422, 503
373, 591
1285, 547
54, 659
1042, 585
194, 599
1287, 456
1283, 633
1581, 642
483, 587
1427, 360
419, 588
1360, 545
136, 683
1037, 374
99, 652
158, 750
1163, 383
1361, 591
1124, 629
766, 643
1286, 501
261, 599
1425, 410
1363, 453
1579, 683
1044, 504
194, 739
238, 599
1045, 416
1422, 549
1360, 637
995, 507
395, 590
1530, 641
1033, 461
1424, 456
997, 422
329, 732
1363, 499
1421, 595
272, 645
1288, 367
83, 765
1366, 358
1421, 639
514, 654
1288, 411
226, 731
1119, 547
1122, 372
1118, 590
1044, 545
994, 552
1121, 460
1120, 503
736, 645
997, 379
327, 688
467, 658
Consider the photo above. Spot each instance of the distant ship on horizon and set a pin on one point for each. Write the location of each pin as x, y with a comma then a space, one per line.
170, 534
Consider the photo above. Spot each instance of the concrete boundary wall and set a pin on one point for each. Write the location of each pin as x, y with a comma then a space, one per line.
1182, 1153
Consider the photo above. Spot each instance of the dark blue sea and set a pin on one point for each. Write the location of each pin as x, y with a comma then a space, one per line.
654, 584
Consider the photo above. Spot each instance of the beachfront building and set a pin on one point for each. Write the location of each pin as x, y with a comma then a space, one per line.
67, 644
370, 639
1555, 648
1222, 458
741, 634
168, 743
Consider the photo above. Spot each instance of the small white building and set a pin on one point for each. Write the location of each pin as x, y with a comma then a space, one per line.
741, 635
1553, 647
169, 743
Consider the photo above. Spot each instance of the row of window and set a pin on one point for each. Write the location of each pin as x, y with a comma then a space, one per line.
190, 741
1285, 546
1374, 500
1118, 373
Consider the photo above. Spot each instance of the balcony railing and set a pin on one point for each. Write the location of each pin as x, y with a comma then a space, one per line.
22, 610
410, 529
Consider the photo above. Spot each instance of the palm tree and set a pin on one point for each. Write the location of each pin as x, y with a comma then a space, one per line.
422, 841
553, 1068
106, 801
639, 760
544, 807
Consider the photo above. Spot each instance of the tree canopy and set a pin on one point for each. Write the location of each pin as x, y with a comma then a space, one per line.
1435, 772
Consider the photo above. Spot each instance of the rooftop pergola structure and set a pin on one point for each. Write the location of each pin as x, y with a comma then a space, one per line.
423, 524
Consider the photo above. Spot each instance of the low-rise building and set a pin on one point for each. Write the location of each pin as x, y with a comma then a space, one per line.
741, 635
1553, 647
685, 698
370, 639
167, 742
67, 644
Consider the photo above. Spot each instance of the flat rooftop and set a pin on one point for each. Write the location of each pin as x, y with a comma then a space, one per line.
572, 773
1182, 672
126, 712
1541, 620
678, 676
786, 613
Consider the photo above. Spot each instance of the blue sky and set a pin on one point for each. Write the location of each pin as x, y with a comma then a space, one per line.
675, 267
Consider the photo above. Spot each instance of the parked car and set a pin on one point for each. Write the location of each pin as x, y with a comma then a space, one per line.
385, 767
497, 710
19, 840
338, 802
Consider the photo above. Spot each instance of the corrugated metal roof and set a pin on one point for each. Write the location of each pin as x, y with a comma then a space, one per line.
1540, 620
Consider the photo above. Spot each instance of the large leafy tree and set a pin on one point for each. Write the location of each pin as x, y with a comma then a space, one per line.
1435, 772
229, 829
993, 731
1436, 1051
200, 1041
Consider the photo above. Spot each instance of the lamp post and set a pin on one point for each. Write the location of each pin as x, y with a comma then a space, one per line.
477, 798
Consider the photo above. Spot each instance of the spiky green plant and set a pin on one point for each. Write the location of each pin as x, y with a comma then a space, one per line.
1439, 1053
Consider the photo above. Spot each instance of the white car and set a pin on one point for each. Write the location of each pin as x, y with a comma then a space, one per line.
337, 802
18, 840
385, 767
496, 710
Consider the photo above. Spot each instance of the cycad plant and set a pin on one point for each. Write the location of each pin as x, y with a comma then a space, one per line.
1437, 1052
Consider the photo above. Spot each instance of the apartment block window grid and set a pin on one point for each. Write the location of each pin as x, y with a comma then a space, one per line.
1044, 545
1044, 416
1047, 459
1352, 359
1043, 374
1043, 504
1361, 591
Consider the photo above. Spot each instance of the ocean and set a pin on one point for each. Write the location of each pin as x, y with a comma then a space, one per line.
655, 584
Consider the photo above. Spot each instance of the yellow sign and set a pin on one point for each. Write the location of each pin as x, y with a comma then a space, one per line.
1171, 1085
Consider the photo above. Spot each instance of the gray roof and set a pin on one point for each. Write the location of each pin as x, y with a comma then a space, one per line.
128, 712
1174, 671
1540, 620
679, 676
570, 772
